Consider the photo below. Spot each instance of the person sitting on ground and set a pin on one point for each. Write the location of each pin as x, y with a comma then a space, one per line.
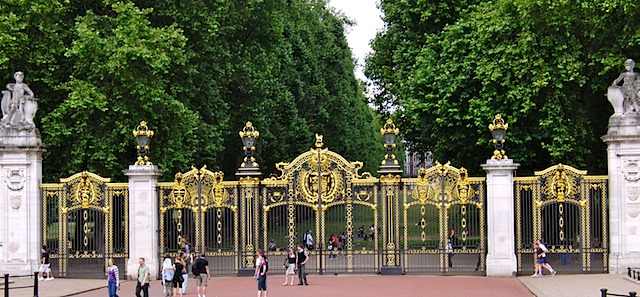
272, 245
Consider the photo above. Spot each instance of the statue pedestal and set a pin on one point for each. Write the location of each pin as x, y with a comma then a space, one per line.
20, 206
501, 256
623, 156
143, 219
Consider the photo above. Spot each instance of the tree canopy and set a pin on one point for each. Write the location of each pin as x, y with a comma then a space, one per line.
544, 65
196, 72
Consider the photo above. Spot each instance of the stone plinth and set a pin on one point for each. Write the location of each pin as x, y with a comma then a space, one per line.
623, 156
20, 206
19, 137
143, 218
501, 256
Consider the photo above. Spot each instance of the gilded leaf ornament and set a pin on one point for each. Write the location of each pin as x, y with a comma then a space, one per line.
86, 193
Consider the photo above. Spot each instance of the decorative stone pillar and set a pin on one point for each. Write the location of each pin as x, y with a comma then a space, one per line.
20, 172
143, 218
501, 257
143, 207
20, 209
623, 156
623, 161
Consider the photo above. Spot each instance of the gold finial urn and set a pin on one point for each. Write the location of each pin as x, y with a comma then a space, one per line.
390, 134
249, 136
143, 137
498, 129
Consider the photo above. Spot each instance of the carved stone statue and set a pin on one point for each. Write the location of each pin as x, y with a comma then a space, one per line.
19, 105
624, 99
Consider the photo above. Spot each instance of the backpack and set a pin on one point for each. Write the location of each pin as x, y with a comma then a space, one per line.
195, 268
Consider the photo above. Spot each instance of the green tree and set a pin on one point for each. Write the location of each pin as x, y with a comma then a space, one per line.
196, 71
543, 65
119, 63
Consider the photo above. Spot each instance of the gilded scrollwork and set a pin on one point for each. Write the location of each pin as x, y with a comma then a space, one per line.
560, 183
179, 195
464, 190
330, 183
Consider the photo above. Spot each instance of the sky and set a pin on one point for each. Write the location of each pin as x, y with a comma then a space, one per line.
368, 21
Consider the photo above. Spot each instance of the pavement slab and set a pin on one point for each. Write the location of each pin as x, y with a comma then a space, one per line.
359, 285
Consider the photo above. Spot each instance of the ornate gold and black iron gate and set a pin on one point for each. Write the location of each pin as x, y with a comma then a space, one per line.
322, 194
198, 212
567, 210
85, 222
443, 206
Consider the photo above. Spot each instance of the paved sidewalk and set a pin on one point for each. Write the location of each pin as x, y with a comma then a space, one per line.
578, 285
349, 285
361, 285
55, 288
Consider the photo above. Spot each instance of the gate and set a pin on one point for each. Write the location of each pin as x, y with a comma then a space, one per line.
567, 210
444, 222
322, 193
86, 222
198, 212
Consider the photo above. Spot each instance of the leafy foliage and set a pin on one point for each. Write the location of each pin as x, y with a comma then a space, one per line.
196, 71
544, 65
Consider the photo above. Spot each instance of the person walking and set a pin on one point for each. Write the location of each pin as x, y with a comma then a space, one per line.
290, 263
262, 267
544, 263
202, 275
449, 253
301, 261
188, 259
179, 267
113, 278
45, 265
168, 273
537, 267
143, 279
331, 246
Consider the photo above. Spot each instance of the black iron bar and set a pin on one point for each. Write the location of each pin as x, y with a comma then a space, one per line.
320, 240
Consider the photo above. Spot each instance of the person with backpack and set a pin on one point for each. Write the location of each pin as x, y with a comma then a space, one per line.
262, 267
200, 270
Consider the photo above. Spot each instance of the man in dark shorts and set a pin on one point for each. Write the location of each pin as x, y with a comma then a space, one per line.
202, 275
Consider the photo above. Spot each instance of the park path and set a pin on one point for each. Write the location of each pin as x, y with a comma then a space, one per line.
350, 285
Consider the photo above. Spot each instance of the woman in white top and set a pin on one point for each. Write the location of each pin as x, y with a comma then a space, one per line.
113, 278
290, 264
167, 276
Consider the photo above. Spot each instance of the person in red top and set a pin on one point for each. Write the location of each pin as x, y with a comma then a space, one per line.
333, 245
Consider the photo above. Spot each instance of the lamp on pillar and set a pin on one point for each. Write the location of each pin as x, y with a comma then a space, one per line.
143, 137
390, 188
249, 196
498, 131
249, 136
389, 135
